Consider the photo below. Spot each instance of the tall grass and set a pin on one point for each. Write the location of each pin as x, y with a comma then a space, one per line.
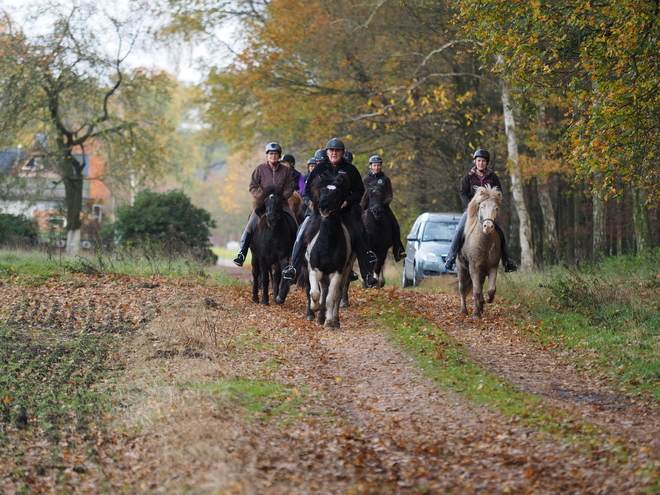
34, 266
606, 314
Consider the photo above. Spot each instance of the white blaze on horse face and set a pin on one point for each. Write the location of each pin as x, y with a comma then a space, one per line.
487, 216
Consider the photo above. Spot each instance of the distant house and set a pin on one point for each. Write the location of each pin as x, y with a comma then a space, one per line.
31, 186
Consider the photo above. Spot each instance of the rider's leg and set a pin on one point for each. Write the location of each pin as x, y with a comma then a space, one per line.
291, 271
246, 239
456, 242
398, 249
507, 261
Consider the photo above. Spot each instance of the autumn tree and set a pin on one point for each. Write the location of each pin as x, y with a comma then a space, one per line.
73, 84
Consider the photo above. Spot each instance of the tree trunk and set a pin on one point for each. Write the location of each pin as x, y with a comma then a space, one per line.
549, 222
641, 219
526, 250
72, 176
598, 239
551, 244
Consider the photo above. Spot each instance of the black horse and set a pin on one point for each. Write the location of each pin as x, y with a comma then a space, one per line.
378, 228
271, 245
329, 250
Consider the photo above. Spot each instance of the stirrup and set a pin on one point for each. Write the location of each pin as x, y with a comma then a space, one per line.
371, 281
239, 259
289, 273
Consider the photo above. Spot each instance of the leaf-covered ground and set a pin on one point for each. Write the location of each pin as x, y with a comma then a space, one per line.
214, 394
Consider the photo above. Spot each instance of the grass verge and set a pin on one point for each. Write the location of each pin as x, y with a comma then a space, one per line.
604, 318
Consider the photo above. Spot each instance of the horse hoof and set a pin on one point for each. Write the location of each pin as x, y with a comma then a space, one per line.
331, 324
310, 317
264, 304
344, 304
255, 299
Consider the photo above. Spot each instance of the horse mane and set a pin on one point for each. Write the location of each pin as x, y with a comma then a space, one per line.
295, 203
259, 201
339, 180
480, 195
376, 188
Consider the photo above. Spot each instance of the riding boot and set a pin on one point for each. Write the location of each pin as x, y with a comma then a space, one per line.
507, 261
245, 245
291, 271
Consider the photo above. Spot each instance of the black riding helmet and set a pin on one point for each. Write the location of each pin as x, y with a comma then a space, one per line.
483, 154
311, 161
320, 155
375, 159
273, 147
289, 159
335, 144
348, 156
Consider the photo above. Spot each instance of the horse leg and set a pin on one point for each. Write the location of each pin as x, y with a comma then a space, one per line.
463, 286
320, 316
310, 314
492, 277
478, 294
256, 271
335, 290
265, 279
281, 286
314, 292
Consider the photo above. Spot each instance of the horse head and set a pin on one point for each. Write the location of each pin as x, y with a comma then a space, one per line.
484, 206
375, 205
330, 193
268, 205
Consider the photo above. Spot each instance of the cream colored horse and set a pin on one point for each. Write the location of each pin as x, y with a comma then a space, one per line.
480, 254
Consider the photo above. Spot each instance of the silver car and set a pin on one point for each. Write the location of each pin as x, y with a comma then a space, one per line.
427, 246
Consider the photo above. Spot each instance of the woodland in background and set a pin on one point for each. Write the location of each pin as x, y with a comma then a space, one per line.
421, 83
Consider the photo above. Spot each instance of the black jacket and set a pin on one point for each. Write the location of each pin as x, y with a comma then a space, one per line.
357, 187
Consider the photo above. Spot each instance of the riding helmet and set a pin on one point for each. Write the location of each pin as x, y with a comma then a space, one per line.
348, 156
311, 161
320, 155
289, 159
375, 159
482, 154
273, 147
335, 144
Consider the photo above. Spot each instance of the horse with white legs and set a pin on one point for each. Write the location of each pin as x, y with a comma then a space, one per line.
329, 250
480, 254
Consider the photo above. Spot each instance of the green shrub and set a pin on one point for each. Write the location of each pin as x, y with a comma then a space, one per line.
17, 229
166, 221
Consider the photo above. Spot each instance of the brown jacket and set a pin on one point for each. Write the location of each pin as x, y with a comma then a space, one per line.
264, 176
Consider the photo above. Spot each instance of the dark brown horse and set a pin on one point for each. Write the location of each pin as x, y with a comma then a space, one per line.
480, 255
378, 229
271, 245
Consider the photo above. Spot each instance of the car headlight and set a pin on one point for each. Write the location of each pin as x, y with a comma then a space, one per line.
428, 257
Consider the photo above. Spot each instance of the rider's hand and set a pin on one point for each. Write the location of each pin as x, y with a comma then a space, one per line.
344, 205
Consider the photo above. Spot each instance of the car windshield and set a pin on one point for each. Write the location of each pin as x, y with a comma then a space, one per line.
439, 231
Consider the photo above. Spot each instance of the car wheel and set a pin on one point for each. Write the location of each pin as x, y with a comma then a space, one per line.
404, 279
414, 277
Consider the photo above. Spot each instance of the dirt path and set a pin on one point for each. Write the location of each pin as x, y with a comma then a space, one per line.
375, 425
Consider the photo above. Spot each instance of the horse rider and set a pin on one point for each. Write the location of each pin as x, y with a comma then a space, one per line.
298, 178
266, 174
479, 176
375, 177
348, 156
336, 164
